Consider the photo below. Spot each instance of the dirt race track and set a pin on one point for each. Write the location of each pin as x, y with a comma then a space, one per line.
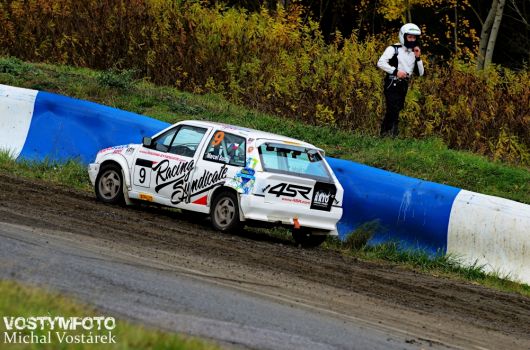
432, 310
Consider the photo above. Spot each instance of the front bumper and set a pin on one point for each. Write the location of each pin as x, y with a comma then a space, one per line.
93, 170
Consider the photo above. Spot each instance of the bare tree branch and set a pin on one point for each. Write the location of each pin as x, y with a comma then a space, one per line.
478, 16
522, 17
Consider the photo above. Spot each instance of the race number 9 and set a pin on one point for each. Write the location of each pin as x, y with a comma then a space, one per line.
218, 138
142, 176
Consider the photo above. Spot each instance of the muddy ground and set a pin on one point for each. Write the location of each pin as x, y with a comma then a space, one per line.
436, 309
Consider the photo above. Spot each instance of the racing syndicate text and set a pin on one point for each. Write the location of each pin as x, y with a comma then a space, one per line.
179, 176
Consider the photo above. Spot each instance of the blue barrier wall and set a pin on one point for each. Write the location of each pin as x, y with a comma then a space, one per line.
63, 128
480, 229
413, 211
410, 210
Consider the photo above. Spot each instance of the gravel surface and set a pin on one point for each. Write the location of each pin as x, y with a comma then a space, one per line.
249, 290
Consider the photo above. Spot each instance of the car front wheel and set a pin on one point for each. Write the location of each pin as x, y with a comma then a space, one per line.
225, 212
109, 184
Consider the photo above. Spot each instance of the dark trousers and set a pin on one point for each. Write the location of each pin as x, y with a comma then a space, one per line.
395, 92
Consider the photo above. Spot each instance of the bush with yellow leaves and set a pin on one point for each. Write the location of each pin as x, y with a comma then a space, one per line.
275, 62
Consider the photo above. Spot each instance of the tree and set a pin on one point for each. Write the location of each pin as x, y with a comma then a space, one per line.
488, 35
409, 15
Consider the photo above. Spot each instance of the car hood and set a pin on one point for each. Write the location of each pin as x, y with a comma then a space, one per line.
121, 149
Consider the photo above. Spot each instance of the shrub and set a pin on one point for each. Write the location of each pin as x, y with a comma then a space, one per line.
117, 79
276, 61
359, 238
13, 66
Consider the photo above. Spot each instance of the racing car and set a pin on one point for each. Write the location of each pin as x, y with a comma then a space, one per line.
235, 175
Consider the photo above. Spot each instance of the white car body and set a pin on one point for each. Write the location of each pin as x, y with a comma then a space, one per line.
205, 157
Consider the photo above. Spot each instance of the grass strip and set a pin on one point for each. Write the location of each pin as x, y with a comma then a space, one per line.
72, 173
440, 265
21, 300
356, 245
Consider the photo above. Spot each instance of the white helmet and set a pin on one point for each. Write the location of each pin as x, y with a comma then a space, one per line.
409, 28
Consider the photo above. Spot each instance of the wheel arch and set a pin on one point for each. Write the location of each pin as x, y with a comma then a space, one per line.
125, 174
223, 189
122, 163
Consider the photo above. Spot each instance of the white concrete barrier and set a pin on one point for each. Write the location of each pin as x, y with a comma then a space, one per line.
492, 232
16, 112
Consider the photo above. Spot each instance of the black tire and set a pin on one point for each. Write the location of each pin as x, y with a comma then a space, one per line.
109, 184
224, 212
306, 239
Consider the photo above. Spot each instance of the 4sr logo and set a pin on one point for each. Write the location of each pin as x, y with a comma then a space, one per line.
288, 190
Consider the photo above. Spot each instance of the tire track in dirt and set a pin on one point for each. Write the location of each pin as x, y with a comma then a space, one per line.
167, 236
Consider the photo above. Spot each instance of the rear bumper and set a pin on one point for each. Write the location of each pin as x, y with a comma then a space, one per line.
255, 208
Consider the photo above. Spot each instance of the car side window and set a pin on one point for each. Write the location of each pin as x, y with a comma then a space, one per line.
226, 148
183, 140
187, 140
162, 142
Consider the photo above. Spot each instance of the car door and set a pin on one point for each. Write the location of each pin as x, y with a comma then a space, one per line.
223, 158
162, 171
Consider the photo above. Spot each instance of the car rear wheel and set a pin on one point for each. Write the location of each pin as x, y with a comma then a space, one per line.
306, 239
225, 212
109, 184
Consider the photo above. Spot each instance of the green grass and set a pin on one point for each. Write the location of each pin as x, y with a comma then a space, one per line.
19, 300
439, 265
436, 265
71, 173
427, 159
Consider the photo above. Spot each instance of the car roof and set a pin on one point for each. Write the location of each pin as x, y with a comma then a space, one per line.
249, 133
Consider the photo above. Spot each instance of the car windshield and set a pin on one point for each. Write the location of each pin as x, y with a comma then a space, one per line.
293, 160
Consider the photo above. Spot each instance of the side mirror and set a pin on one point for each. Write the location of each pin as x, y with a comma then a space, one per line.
147, 142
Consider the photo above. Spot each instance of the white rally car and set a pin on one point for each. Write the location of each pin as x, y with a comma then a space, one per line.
236, 175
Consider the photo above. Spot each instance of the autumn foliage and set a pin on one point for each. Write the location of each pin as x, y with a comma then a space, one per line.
276, 62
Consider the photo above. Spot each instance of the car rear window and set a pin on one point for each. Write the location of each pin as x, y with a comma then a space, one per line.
294, 160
